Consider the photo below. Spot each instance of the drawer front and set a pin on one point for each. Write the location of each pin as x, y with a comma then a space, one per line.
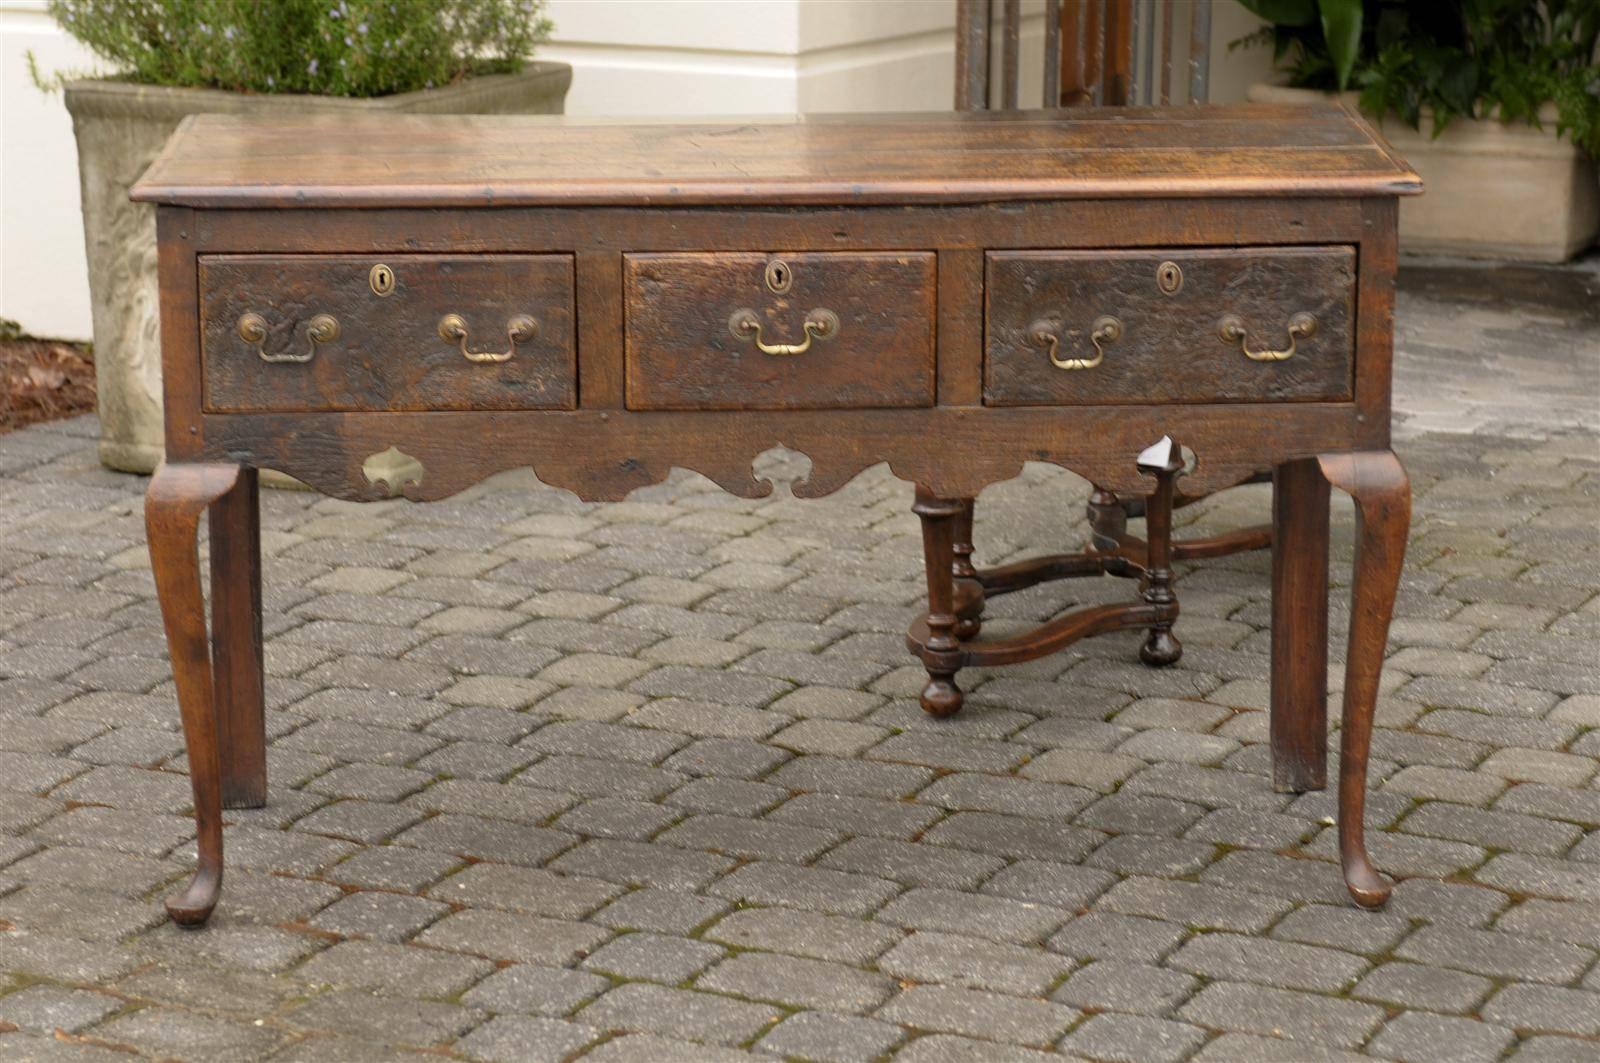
337, 332
779, 332
1264, 324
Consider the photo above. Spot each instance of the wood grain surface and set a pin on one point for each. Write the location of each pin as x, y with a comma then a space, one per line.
432, 160
389, 354
1169, 349
601, 455
683, 355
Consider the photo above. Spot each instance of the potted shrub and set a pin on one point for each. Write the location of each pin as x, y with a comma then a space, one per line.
181, 57
1496, 103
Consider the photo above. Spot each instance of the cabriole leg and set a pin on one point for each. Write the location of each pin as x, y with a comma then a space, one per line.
177, 496
941, 652
1382, 493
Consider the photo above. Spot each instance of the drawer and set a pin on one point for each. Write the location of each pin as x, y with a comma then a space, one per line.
751, 331
1265, 324
392, 332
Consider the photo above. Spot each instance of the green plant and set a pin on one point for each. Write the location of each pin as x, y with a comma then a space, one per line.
1324, 35
327, 47
1452, 58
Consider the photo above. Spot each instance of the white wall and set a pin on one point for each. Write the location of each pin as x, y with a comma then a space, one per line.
1233, 72
754, 57
630, 57
43, 277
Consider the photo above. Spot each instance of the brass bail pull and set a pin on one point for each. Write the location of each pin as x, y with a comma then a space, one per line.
1046, 333
252, 328
1231, 330
820, 324
520, 329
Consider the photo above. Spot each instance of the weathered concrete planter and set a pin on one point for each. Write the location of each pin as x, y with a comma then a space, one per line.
1494, 189
120, 126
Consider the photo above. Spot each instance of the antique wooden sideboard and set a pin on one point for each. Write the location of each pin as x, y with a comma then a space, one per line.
403, 305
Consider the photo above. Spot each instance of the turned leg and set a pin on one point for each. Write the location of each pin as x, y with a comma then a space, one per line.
1382, 494
1164, 461
969, 618
236, 643
941, 652
1108, 521
1299, 717
177, 496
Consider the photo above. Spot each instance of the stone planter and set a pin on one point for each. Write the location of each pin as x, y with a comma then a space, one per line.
120, 127
1494, 189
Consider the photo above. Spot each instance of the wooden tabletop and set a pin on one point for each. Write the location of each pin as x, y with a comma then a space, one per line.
407, 160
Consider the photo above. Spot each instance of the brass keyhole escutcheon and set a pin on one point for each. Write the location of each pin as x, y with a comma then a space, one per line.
381, 278
780, 278
1169, 278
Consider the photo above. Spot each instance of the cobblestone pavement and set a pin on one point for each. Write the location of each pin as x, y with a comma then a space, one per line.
648, 781
1492, 349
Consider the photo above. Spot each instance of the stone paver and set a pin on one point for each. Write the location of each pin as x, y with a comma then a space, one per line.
647, 781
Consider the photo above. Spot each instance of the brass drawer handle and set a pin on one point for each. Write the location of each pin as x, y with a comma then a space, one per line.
324, 328
820, 324
1231, 329
1047, 334
520, 329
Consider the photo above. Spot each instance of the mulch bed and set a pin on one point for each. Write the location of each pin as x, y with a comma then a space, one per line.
43, 380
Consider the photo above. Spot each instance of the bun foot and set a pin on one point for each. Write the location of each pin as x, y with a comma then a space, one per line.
941, 697
1161, 649
191, 908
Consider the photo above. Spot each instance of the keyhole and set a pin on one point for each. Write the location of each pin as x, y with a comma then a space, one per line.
779, 276
381, 278
1169, 278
